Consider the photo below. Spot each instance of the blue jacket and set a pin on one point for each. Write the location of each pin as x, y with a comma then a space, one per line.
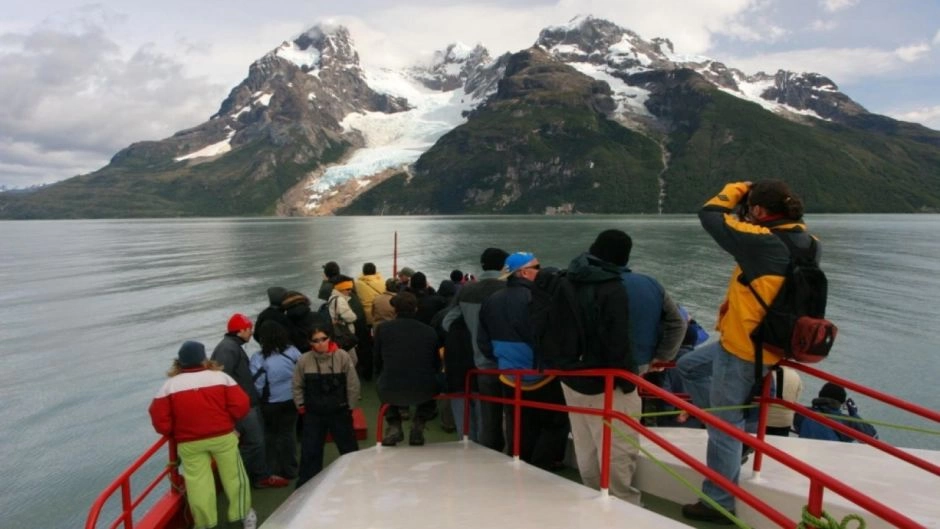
505, 332
810, 429
278, 373
656, 325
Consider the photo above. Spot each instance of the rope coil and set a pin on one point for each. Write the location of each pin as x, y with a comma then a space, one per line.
827, 521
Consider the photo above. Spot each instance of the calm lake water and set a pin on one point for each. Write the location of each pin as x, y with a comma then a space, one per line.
93, 312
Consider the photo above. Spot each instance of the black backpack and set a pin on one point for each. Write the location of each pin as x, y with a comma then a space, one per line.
557, 321
795, 324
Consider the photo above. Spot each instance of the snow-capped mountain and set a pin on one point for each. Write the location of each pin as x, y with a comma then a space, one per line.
311, 128
608, 52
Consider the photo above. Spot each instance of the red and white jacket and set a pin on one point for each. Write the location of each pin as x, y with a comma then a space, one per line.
198, 403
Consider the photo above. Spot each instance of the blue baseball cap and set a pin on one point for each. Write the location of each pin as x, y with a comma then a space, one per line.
517, 261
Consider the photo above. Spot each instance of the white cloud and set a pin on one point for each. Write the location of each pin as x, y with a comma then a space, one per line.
837, 5
823, 25
913, 53
842, 65
73, 98
936, 38
928, 116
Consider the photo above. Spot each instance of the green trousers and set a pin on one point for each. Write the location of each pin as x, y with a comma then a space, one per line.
197, 457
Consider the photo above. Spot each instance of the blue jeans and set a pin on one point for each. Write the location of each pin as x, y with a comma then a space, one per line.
695, 371
456, 405
251, 445
732, 381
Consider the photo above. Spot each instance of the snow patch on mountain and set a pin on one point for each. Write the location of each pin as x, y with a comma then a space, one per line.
215, 149
753, 91
303, 58
394, 140
630, 99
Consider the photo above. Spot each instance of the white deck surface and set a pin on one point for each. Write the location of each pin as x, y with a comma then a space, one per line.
451, 486
911, 491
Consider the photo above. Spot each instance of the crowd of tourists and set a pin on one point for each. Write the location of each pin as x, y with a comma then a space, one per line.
418, 342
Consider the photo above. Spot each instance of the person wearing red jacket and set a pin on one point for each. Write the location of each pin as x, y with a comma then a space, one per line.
197, 408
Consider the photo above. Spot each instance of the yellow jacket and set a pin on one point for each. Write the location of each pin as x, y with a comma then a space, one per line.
367, 287
761, 258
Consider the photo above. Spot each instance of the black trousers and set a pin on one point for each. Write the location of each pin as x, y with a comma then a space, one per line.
491, 413
543, 433
316, 426
424, 412
280, 441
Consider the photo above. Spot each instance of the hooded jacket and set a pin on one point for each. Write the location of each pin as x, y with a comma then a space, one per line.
810, 429
605, 313
367, 288
761, 259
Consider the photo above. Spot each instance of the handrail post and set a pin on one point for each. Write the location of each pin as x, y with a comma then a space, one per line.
764, 410
466, 405
126, 504
516, 416
814, 503
176, 479
606, 434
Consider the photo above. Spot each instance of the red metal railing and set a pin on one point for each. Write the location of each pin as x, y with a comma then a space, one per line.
819, 481
170, 506
816, 488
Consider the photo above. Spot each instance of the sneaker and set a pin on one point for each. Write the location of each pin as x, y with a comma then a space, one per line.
703, 513
271, 482
251, 520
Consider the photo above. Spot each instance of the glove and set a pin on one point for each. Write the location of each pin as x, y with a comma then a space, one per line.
301, 410
851, 407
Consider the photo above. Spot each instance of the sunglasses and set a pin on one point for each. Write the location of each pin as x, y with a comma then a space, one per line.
533, 267
319, 340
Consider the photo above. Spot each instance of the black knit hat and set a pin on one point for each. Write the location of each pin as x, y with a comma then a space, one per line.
833, 391
276, 295
612, 246
192, 354
493, 259
418, 281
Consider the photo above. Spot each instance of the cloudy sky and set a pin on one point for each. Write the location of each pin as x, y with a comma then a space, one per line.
78, 82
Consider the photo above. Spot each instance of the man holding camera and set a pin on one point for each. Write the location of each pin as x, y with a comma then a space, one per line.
830, 401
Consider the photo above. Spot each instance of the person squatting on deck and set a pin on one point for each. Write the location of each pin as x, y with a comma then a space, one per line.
831, 399
408, 365
761, 259
197, 408
231, 355
325, 389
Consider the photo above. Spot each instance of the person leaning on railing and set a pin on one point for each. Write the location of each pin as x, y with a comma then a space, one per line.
198, 407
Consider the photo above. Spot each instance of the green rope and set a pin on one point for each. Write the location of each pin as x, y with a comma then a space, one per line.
826, 521
689, 485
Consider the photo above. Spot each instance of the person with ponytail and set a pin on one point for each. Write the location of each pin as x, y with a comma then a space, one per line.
749, 221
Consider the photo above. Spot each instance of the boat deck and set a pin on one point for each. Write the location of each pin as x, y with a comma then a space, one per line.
449, 486
892, 482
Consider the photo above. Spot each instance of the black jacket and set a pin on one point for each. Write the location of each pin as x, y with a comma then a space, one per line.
234, 362
605, 320
407, 361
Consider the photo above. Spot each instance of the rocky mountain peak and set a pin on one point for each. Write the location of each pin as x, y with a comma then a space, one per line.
452, 67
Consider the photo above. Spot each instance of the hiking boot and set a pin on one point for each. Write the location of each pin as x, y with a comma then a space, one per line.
416, 437
251, 520
703, 513
271, 482
393, 434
